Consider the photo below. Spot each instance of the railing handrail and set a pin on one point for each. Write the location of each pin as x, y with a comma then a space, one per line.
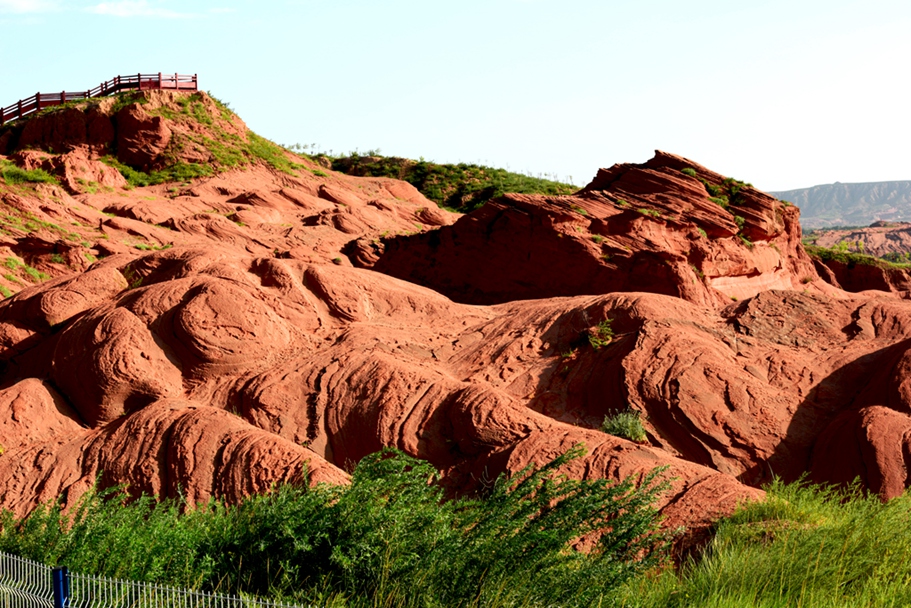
142, 82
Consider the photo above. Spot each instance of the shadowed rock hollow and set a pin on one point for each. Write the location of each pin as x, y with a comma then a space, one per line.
223, 339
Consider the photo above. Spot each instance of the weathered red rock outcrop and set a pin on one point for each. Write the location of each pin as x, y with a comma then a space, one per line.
855, 273
221, 342
872, 275
645, 227
878, 239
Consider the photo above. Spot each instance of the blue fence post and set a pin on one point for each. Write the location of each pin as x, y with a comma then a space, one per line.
61, 582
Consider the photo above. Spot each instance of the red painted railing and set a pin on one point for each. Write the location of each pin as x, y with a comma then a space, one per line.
141, 82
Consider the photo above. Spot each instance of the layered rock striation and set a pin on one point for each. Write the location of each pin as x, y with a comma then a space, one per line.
235, 330
669, 226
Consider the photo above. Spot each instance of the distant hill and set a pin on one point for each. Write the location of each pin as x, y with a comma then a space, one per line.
851, 204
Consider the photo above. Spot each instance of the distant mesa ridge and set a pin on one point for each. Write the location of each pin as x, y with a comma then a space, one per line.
841, 204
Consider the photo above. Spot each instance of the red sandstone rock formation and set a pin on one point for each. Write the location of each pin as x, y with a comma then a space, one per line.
644, 227
250, 347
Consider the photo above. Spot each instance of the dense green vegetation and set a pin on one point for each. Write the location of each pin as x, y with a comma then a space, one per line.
13, 175
844, 255
802, 546
389, 539
459, 187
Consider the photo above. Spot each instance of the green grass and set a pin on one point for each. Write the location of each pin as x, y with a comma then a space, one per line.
147, 247
803, 546
851, 258
460, 187
649, 212
13, 175
388, 539
34, 275
228, 150
626, 424
179, 172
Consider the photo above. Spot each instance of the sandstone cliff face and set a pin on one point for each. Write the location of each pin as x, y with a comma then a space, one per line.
222, 340
648, 227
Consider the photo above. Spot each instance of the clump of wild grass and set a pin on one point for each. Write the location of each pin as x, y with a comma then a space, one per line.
803, 545
626, 424
13, 175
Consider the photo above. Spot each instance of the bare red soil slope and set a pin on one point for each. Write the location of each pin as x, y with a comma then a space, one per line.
211, 335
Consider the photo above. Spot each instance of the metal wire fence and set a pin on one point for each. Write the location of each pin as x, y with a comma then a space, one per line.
24, 583
28, 584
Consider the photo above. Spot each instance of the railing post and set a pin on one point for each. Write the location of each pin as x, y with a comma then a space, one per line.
19, 103
61, 583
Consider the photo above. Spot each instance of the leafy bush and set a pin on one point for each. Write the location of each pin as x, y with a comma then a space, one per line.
388, 539
721, 201
626, 424
601, 335
688, 171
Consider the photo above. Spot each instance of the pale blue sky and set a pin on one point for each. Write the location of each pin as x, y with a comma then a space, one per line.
784, 94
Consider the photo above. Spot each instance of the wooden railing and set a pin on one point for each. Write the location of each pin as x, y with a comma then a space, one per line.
140, 82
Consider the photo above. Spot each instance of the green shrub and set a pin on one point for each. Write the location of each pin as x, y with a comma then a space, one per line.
601, 335
649, 212
702, 232
721, 201
388, 539
688, 171
740, 221
460, 187
626, 424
